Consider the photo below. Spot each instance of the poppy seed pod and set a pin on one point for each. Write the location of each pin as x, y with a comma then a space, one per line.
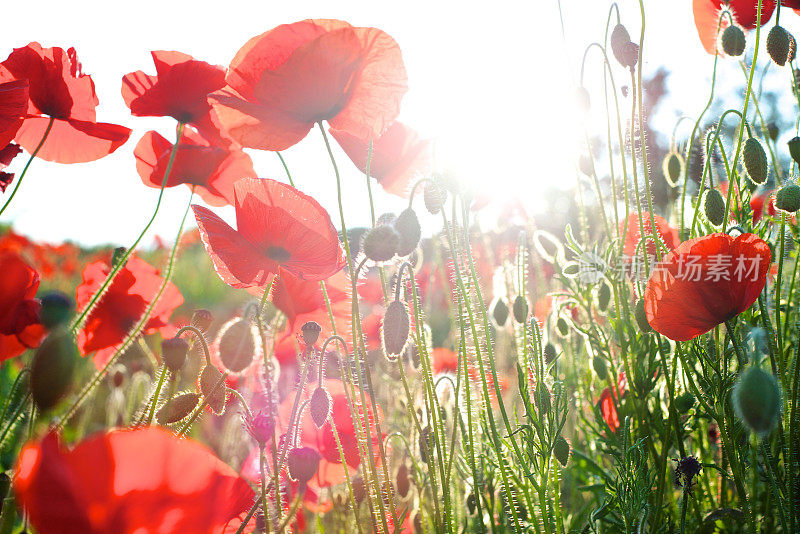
310, 331
788, 198
755, 160
52, 369
174, 352
714, 207
302, 464
407, 226
600, 367
237, 345
561, 450
177, 408
202, 319
320, 406
733, 41
641, 317
520, 309
603, 296
214, 391
619, 38
684, 402
780, 45
57, 309
794, 148
395, 329
381, 243
500, 312
672, 168
757, 400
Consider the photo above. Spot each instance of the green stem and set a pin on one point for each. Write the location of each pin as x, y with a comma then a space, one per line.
28, 164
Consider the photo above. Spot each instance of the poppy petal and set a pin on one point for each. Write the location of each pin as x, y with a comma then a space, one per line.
13, 103
72, 140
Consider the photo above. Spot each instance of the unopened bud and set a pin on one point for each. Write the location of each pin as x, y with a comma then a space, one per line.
794, 149
310, 331
788, 198
500, 312
202, 319
733, 41
757, 400
302, 464
755, 160
561, 450
672, 168
600, 367
619, 38
520, 309
57, 308
409, 230
177, 408
117, 255
395, 329
641, 317
780, 45
402, 481
434, 196
603, 296
714, 207
381, 243
52, 369
550, 353
261, 427
237, 345
543, 399
562, 327
174, 352
320, 406
212, 385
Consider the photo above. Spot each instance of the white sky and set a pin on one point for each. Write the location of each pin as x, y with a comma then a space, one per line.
492, 82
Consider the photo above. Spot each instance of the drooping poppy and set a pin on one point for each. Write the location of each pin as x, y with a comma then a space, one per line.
633, 235
122, 306
285, 80
59, 91
20, 327
126, 482
278, 227
705, 282
707, 17
7, 155
13, 105
398, 156
211, 169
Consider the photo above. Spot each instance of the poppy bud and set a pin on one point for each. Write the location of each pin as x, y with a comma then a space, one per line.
302, 464
214, 391
433, 196
755, 160
425, 442
117, 255
630, 55
792, 48
714, 207
236, 345
310, 331
520, 309
260, 426
603, 296
177, 408
757, 400
561, 450
359, 490
320, 406
773, 131
641, 317
202, 319
733, 41
500, 312
585, 165
381, 243
402, 481
173, 352
407, 226
780, 45
472, 504
57, 308
395, 329
117, 376
562, 327
788, 198
550, 353
542, 397
794, 149
619, 38
582, 99
600, 367
52, 369
684, 402
672, 168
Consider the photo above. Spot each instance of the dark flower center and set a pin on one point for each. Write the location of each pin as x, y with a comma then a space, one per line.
279, 254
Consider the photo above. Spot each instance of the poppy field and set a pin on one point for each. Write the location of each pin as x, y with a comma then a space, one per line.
623, 361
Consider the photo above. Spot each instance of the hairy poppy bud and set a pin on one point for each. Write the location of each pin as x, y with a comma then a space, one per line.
773, 131
603, 296
381, 243
117, 255
641, 317
780, 45
177, 408
402, 481
630, 55
561, 450
260, 426
757, 400
582, 99
425, 443
542, 397
302, 464
174, 352
562, 327
500, 312
359, 490
434, 197
755, 160
619, 38
395, 329
320, 406
794, 149
684, 402
788, 198
672, 168
550, 353
52, 369
409, 230
733, 41
202, 319
237, 345
57, 308
520, 309
714, 207
311, 331
212, 385
600, 367
472, 504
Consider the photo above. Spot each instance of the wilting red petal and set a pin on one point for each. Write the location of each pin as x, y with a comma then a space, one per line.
71, 141
128, 481
683, 302
397, 156
20, 328
707, 18
13, 103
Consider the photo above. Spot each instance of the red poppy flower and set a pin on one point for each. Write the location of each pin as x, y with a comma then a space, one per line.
608, 403
668, 234
13, 104
758, 203
283, 81
704, 282
707, 13
122, 306
20, 328
278, 227
60, 91
7, 155
398, 156
211, 169
129, 481
444, 360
